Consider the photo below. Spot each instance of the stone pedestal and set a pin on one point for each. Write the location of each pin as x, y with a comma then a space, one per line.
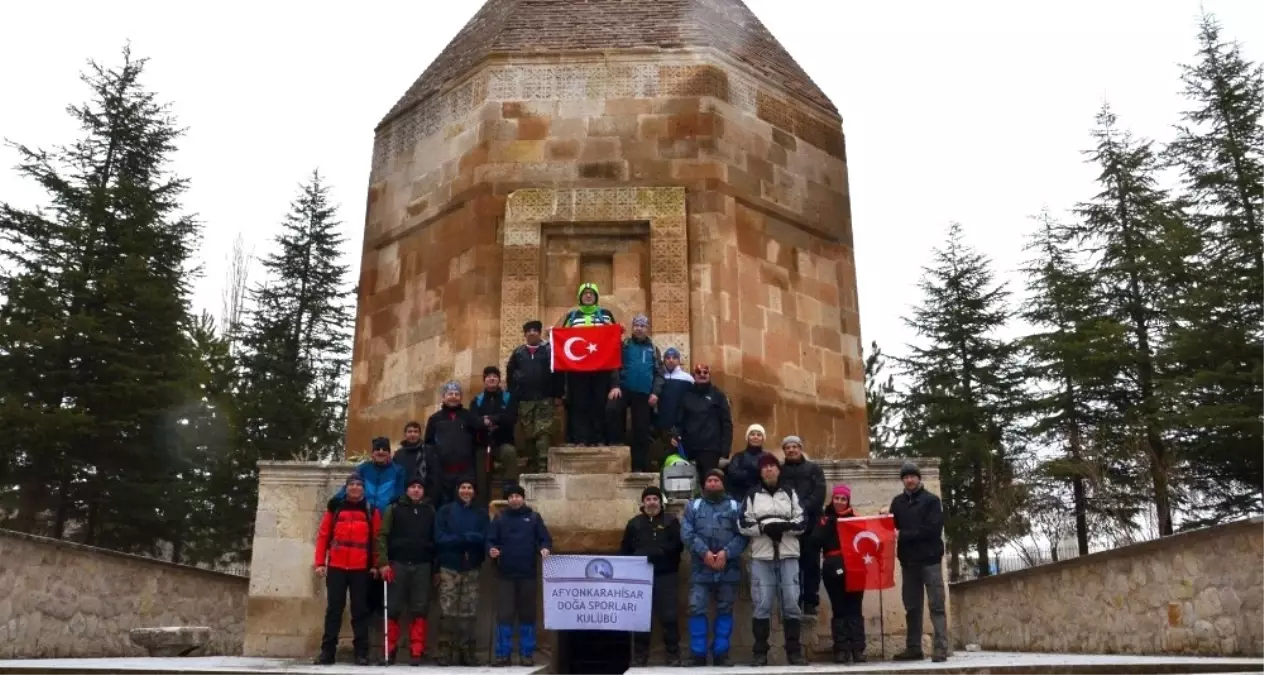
587, 497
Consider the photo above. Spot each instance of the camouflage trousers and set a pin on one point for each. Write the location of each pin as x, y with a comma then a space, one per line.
458, 592
458, 601
535, 429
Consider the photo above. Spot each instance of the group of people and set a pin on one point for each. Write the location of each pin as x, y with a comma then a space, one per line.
373, 535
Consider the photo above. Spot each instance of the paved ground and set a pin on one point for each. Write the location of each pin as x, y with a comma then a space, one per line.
1007, 662
230, 664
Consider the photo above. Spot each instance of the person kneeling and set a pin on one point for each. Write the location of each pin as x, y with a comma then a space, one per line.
848, 624
407, 541
512, 541
655, 534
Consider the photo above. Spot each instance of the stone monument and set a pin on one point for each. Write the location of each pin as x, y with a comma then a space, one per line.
670, 151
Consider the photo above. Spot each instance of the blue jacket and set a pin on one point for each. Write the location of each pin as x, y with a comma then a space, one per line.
642, 370
459, 535
383, 485
712, 527
519, 534
675, 384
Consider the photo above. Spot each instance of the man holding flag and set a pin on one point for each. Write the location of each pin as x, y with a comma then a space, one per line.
586, 346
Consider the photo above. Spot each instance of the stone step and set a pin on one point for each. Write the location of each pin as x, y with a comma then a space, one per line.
214, 665
579, 459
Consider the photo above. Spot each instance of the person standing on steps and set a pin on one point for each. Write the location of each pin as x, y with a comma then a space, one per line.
498, 411
531, 382
640, 383
919, 524
676, 381
451, 449
655, 534
848, 624
706, 422
411, 455
345, 557
383, 479
460, 528
743, 469
405, 548
587, 394
513, 540
773, 519
808, 482
710, 532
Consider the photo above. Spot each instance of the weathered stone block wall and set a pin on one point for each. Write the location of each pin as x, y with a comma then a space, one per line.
770, 280
1199, 592
59, 599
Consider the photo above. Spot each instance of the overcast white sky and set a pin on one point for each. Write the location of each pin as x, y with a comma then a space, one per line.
969, 111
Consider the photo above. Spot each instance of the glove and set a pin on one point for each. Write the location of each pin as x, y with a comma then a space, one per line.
775, 530
389, 575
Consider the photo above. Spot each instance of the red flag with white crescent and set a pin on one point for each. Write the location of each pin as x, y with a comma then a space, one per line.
868, 552
587, 349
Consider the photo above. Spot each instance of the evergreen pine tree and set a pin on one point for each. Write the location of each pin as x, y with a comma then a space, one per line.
296, 344
962, 398
879, 399
1138, 245
1067, 387
93, 332
1218, 338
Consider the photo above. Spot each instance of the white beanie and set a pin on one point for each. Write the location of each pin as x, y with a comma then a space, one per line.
755, 427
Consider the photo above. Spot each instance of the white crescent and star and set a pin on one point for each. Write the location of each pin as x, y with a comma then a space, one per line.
855, 543
566, 348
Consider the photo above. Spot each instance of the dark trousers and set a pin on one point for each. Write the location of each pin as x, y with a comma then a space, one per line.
515, 600
642, 425
705, 461
930, 579
410, 591
338, 584
664, 609
809, 565
586, 396
848, 625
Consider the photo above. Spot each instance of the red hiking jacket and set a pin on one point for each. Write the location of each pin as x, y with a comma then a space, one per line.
346, 535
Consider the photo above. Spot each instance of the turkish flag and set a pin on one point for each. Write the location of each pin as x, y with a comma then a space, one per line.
868, 552
587, 349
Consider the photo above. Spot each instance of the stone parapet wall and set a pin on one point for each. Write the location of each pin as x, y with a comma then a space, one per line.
1199, 592
59, 599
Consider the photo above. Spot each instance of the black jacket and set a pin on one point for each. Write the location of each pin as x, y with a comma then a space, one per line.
451, 452
808, 481
825, 533
919, 517
743, 472
529, 374
408, 531
412, 459
657, 538
501, 407
706, 423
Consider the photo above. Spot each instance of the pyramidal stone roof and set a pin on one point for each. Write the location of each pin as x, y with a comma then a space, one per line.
520, 27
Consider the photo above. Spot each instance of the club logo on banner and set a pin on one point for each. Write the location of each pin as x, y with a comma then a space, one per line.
584, 592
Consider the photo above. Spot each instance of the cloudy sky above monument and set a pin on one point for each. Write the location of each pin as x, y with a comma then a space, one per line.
971, 112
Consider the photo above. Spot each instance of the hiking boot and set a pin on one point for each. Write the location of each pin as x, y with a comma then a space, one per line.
526, 661
842, 656
362, 660
858, 656
759, 660
909, 655
939, 657
414, 661
501, 662
325, 659
673, 660
794, 648
640, 660
720, 660
699, 661
390, 660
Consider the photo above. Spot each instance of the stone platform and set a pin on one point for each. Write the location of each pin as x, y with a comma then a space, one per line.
231, 664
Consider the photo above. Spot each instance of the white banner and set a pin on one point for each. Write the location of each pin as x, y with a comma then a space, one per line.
585, 592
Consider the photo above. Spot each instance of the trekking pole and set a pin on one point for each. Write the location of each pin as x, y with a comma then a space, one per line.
386, 629
882, 626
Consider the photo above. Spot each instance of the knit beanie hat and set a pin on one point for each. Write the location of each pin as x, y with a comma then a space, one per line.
354, 478
652, 491
450, 386
534, 325
713, 472
753, 428
467, 481
641, 320
381, 443
515, 489
768, 459
910, 469
671, 353
843, 490
416, 481
791, 439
